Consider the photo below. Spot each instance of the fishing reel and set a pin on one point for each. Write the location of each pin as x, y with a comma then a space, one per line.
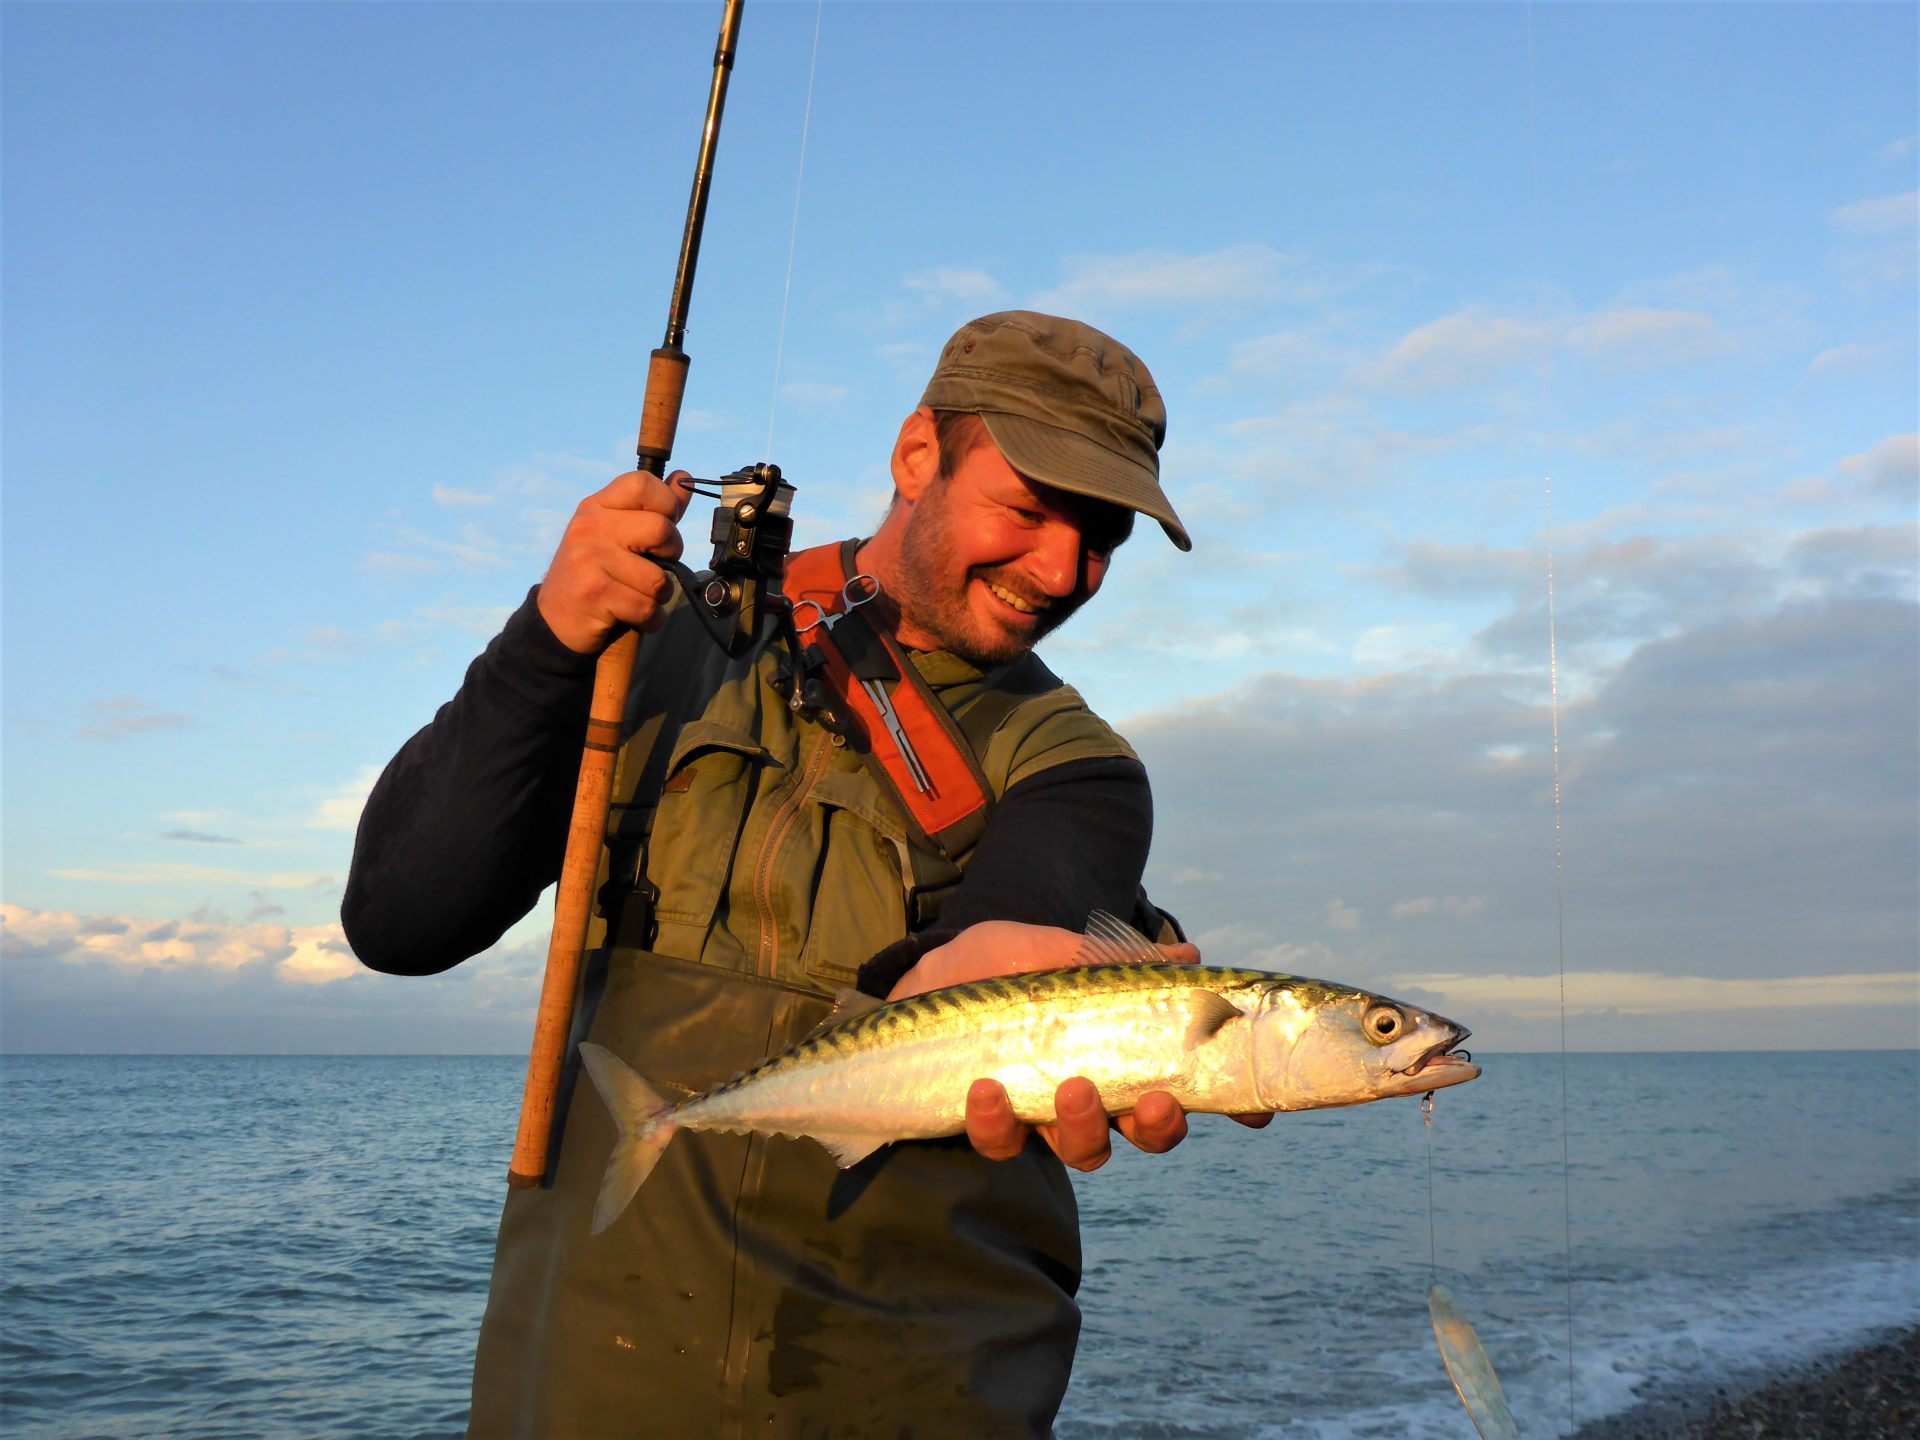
752, 532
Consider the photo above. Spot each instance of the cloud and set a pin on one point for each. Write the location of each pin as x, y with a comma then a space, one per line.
124, 984
814, 395
1341, 916
1896, 150
387, 562
484, 620
333, 640
307, 955
162, 872
1467, 347
1644, 337
1877, 240
1630, 992
1736, 804
944, 282
341, 810
1883, 215
1891, 468
1455, 907
1851, 359
1881, 560
125, 717
1237, 276
460, 499
198, 837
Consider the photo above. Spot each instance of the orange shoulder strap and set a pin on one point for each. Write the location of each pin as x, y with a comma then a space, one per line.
881, 703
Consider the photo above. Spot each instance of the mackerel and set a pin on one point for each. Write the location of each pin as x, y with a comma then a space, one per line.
1220, 1040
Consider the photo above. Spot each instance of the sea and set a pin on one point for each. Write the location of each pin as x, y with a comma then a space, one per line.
299, 1246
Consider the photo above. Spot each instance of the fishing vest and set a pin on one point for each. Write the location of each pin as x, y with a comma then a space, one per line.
763, 841
755, 858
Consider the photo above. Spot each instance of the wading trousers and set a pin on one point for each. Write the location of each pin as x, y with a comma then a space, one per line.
753, 1288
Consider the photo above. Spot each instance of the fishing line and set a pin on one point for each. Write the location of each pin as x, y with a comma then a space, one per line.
1433, 1254
1553, 691
793, 235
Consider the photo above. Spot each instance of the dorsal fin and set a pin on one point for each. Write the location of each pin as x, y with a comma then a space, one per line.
1111, 941
847, 1005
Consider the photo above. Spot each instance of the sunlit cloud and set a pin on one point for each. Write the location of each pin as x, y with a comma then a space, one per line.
306, 955
1641, 993
341, 810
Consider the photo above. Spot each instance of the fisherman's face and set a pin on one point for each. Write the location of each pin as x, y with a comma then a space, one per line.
992, 561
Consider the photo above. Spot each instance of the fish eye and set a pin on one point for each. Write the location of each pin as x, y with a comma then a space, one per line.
1383, 1024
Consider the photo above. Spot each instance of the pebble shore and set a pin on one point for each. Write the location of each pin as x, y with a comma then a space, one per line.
1867, 1394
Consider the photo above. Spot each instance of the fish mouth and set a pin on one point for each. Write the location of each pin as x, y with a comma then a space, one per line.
1445, 1063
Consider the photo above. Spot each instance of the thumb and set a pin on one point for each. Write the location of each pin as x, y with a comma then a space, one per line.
680, 482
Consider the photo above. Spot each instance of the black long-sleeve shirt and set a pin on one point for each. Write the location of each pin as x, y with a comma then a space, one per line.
468, 824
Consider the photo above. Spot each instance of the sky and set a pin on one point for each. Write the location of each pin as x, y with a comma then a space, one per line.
319, 320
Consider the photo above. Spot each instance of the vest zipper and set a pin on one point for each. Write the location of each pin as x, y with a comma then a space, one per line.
767, 953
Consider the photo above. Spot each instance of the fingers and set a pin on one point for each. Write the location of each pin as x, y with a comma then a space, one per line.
1259, 1120
1157, 1123
609, 568
1080, 1135
991, 1126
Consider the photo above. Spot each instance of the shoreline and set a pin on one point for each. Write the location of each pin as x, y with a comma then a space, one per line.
1871, 1391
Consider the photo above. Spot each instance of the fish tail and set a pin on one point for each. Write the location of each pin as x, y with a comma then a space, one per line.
641, 1114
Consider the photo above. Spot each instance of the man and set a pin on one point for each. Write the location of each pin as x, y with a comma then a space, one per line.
756, 863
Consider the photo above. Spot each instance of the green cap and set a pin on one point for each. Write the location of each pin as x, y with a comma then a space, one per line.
1068, 406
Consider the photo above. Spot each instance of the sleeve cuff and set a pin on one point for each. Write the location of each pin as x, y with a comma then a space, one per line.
883, 971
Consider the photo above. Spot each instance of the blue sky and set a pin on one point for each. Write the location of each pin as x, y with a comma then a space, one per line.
320, 318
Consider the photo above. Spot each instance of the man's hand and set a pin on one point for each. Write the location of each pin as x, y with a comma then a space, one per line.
1080, 1135
604, 573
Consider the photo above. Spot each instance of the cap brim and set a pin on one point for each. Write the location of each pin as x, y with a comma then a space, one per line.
1071, 462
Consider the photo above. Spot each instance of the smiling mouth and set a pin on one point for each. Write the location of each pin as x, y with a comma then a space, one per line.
1012, 601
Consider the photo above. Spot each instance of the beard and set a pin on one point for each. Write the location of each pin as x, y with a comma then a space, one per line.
943, 607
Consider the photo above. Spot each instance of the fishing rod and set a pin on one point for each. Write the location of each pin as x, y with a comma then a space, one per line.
725, 598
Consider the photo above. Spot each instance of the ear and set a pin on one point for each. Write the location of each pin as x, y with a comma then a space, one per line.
916, 455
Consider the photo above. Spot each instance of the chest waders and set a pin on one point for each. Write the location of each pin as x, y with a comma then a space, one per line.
753, 1288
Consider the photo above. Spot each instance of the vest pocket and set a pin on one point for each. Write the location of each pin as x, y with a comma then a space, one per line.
710, 782
859, 904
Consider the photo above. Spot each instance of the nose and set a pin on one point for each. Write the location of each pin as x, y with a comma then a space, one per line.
1054, 562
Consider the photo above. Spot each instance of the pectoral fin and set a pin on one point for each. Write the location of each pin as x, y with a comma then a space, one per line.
847, 1005
1207, 1012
